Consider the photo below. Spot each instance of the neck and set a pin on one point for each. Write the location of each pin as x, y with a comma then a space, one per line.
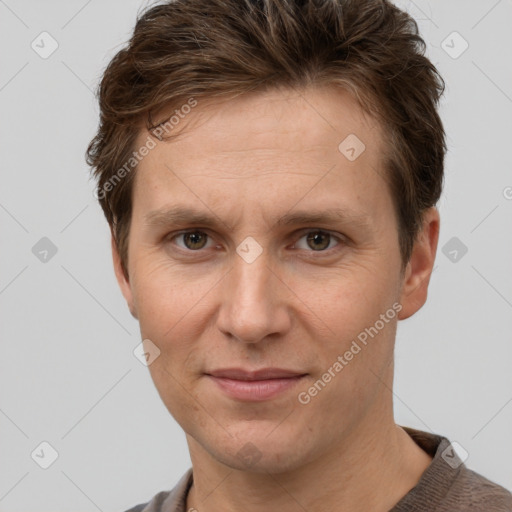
372, 469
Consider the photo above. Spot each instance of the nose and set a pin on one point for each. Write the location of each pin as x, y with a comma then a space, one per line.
253, 304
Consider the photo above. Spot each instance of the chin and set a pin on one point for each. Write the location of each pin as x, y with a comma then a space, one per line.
254, 460
261, 453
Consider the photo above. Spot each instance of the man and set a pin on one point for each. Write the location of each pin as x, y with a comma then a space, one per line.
270, 171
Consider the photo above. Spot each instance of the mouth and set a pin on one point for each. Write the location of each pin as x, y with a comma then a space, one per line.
255, 386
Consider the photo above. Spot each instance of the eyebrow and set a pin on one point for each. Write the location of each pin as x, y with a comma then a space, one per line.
179, 215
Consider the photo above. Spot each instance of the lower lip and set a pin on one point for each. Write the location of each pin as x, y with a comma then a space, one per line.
255, 390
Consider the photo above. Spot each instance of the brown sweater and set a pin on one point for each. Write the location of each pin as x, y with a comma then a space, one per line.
447, 485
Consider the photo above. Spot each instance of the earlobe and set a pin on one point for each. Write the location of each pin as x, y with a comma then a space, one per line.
122, 280
419, 268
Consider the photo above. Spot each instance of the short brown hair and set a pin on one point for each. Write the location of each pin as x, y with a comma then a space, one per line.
184, 49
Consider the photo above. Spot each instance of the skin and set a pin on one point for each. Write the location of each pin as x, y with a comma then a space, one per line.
299, 305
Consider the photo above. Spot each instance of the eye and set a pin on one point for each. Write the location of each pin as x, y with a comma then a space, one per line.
192, 240
318, 240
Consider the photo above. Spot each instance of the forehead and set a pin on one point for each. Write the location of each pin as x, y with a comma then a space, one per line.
292, 143
308, 118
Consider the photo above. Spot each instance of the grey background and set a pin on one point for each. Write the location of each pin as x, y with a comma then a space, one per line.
68, 375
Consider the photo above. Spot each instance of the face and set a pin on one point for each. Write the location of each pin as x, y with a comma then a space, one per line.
257, 242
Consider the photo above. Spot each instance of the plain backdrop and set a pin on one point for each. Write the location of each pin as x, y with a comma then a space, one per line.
68, 375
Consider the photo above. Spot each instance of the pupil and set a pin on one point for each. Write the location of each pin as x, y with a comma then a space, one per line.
316, 237
195, 238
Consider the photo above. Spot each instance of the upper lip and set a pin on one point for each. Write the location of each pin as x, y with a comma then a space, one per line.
262, 374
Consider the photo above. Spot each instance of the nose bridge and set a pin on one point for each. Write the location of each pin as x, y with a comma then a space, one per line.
248, 311
251, 280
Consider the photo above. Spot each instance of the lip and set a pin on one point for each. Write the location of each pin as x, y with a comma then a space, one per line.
255, 385
262, 374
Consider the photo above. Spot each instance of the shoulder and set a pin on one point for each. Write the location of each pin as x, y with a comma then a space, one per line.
168, 501
480, 493
448, 485
155, 505
137, 508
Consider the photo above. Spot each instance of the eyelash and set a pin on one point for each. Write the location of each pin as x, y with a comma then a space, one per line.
341, 240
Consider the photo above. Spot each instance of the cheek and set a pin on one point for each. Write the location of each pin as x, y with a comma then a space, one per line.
171, 315
176, 392
165, 296
345, 300
174, 309
352, 373
358, 343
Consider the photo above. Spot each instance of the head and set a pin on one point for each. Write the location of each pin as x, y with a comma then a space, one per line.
270, 171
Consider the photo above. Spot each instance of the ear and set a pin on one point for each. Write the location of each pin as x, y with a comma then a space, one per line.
122, 280
419, 268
